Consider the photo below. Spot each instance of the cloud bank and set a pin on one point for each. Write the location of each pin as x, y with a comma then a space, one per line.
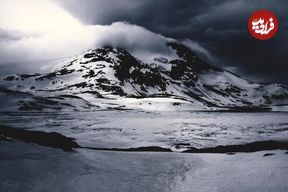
42, 31
219, 26
20, 47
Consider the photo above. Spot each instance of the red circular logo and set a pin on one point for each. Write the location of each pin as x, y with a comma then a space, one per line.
263, 24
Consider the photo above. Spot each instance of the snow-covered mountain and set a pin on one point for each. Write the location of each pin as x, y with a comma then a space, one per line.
114, 78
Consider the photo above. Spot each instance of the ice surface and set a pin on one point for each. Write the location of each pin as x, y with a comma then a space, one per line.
26, 167
29, 167
175, 129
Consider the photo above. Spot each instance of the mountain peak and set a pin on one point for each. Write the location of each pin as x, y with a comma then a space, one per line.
109, 72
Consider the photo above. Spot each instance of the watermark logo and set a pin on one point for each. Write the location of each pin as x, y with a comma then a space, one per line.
263, 25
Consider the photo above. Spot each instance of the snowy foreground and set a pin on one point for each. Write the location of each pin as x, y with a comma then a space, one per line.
30, 167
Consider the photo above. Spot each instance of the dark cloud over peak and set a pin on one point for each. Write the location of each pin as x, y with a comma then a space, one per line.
218, 25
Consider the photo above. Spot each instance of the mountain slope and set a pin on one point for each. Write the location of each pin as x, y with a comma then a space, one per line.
112, 77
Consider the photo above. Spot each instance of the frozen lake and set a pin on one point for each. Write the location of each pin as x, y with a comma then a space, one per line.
30, 167
175, 130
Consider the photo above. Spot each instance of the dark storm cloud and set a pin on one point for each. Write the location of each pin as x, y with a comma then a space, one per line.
219, 26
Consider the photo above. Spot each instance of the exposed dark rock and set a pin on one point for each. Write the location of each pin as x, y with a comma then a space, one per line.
80, 85
89, 55
11, 92
181, 145
117, 90
215, 90
178, 68
190, 57
138, 149
268, 154
95, 93
26, 76
161, 59
250, 147
280, 96
126, 62
9, 78
52, 139
2, 138
49, 76
176, 104
90, 74
52, 75
103, 80
249, 109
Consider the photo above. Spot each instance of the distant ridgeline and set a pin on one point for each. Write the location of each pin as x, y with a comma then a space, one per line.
115, 79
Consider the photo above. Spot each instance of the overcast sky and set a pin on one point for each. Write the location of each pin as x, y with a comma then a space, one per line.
218, 26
